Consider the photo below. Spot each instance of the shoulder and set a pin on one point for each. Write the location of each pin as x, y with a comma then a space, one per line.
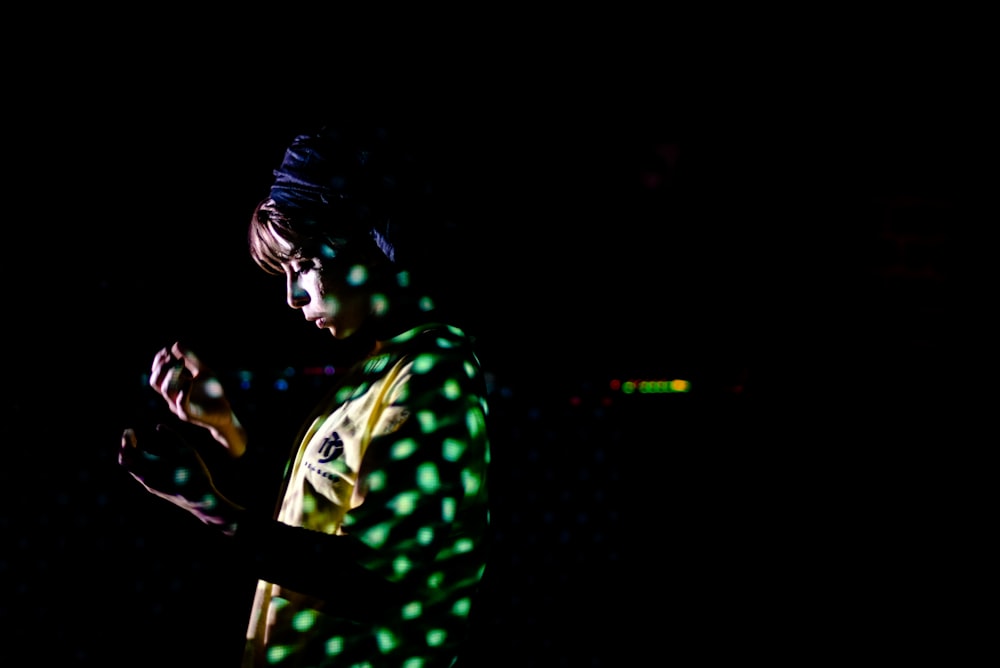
434, 338
436, 353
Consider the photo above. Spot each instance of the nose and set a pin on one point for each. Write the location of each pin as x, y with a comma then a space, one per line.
294, 294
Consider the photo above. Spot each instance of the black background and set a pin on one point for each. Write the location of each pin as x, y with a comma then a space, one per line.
812, 496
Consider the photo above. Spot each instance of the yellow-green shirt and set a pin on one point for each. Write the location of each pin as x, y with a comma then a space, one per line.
398, 461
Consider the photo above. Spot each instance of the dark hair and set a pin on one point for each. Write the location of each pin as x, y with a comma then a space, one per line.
337, 184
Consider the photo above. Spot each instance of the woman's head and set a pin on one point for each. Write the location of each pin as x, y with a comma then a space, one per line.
337, 277
352, 182
331, 224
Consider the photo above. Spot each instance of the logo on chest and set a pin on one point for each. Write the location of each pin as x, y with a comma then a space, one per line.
331, 448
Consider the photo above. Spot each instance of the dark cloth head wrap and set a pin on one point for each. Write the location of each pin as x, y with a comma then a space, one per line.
354, 182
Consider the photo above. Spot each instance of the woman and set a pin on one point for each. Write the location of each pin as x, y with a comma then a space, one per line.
378, 542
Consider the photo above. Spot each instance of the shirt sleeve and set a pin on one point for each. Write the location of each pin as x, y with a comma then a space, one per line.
423, 478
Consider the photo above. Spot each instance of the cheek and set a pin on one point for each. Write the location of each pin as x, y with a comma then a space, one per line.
332, 304
339, 296
314, 288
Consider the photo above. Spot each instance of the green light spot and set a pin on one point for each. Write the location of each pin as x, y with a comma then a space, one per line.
462, 607
360, 390
402, 449
412, 610
387, 640
379, 304
427, 477
357, 275
401, 565
376, 364
453, 449
426, 304
414, 662
334, 645
436, 637
377, 535
425, 535
448, 509
471, 482
463, 545
278, 653
333, 305
376, 481
344, 393
403, 279
308, 504
428, 421
304, 620
434, 580
424, 363
452, 389
405, 336
444, 344
475, 421
405, 503
181, 476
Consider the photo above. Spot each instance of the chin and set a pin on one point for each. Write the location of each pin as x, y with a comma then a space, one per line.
341, 335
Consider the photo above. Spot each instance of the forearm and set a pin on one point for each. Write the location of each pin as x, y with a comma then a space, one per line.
232, 436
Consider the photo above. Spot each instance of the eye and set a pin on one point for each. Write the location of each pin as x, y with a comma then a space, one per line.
303, 265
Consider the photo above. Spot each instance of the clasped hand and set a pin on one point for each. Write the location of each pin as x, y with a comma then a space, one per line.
194, 394
165, 464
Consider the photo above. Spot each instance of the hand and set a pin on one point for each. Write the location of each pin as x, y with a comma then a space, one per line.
173, 470
195, 395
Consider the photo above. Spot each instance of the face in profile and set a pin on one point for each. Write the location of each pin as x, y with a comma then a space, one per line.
334, 288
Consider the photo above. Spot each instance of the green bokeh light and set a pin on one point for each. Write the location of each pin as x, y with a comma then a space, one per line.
427, 477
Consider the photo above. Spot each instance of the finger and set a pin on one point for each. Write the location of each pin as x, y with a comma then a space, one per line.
169, 374
171, 385
190, 360
128, 447
165, 430
163, 363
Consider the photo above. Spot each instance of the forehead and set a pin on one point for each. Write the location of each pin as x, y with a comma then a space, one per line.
320, 249
311, 245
